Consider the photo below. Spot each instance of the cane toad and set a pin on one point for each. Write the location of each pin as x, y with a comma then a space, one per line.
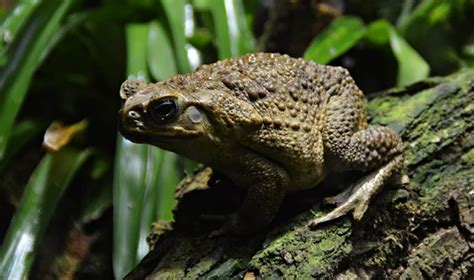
271, 123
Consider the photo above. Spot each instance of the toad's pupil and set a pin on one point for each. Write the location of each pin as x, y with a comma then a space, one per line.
164, 110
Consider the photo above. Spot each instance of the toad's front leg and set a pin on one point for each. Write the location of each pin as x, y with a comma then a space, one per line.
268, 183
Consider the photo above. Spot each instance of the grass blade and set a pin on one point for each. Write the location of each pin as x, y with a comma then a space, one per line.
151, 186
130, 166
129, 191
13, 21
137, 36
233, 36
160, 52
142, 174
175, 13
22, 133
43, 191
138, 173
341, 35
168, 179
28, 51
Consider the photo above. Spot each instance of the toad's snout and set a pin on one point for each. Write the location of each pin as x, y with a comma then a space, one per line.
131, 123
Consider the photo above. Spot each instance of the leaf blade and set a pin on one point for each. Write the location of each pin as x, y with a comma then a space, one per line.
42, 193
411, 66
233, 36
160, 52
17, 74
12, 22
175, 13
341, 35
136, 174
129, 166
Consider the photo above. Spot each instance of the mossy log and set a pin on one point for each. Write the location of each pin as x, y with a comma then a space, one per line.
423, 229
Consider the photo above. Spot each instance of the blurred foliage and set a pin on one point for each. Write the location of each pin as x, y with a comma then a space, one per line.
64, 60
345, 32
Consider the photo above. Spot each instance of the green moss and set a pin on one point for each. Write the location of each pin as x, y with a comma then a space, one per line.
432, 140
469, 157
302, 253
407, 110
435, 193
398, 113
379, 107
469, 108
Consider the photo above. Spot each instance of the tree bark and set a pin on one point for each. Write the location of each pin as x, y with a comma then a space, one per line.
424, 229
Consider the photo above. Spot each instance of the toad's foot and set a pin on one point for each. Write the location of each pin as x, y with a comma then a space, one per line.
362, 193
230, 224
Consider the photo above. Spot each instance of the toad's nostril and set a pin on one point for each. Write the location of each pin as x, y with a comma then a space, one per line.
133, 115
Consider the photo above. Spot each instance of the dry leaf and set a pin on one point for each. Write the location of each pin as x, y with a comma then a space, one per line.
58, 135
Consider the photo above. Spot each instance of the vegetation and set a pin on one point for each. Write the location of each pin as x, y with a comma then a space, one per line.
84, 206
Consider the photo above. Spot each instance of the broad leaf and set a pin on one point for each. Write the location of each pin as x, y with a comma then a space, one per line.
341, 35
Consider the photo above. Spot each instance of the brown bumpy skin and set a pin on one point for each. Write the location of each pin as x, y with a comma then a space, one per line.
273, 124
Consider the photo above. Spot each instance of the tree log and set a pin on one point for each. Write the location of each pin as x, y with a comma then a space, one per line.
423, 229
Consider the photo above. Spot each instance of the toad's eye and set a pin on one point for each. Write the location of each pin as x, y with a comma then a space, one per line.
164, 111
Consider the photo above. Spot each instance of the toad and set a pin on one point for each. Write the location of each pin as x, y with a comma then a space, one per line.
272, 124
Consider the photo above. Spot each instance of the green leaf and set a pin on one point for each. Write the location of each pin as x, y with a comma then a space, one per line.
141, 173
137, 38
130, 167
437, 29
168, 180
161, 180
175, 13
145, 178
21, 134
134, 166
429, 11
341, 35
42, 193
201, 38
160, 52
98, 195
378, 32
14, 20
151, 186
411, 66
202, 5
27, 54
233, 36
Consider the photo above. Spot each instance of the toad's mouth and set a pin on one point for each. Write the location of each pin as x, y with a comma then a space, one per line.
166, 135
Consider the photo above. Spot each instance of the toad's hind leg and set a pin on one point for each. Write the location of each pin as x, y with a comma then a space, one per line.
350, 145
362, 193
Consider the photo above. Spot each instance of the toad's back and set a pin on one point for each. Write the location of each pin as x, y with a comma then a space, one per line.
288, 91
